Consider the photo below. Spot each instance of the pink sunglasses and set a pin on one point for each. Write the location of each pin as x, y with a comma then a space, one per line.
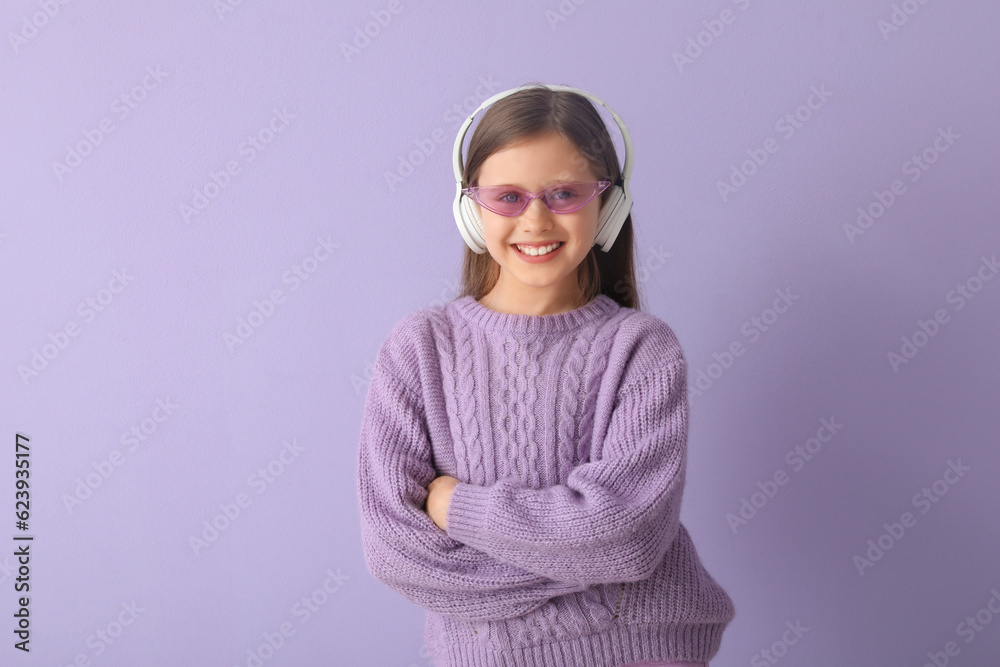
509, 201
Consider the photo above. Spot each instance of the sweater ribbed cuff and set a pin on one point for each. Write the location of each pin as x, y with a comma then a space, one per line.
618, 645
467, 512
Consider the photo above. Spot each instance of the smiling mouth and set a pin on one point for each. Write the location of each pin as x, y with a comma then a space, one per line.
535, 251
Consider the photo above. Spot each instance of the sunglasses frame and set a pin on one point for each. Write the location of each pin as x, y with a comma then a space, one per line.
473, 193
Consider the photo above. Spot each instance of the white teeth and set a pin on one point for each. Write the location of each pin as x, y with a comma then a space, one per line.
543, 250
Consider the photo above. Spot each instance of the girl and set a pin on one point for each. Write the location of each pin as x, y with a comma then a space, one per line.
523, 447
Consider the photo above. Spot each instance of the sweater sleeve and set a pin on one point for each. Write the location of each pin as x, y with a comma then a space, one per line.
613, 519
403, 547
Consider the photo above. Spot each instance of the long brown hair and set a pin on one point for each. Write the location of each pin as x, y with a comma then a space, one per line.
530, 112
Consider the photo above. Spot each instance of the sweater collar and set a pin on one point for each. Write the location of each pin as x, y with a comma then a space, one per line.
491, 320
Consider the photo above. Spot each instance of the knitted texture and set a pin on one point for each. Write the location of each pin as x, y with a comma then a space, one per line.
568, 433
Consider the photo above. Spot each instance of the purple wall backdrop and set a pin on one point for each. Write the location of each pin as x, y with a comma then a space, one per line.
203, 249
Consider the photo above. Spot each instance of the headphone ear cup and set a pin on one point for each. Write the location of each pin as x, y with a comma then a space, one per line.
473, 223
606, 220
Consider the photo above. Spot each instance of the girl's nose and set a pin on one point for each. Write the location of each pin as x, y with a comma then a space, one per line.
537, 212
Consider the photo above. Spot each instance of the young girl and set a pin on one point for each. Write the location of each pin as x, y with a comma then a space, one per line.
524, 446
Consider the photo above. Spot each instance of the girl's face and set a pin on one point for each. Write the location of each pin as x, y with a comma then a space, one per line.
535, 164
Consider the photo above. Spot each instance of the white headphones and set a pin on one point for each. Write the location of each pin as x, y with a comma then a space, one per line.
611, 217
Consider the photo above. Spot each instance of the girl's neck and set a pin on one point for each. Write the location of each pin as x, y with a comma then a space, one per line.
513, 304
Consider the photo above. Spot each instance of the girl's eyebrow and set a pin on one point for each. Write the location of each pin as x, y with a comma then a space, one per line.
548, 185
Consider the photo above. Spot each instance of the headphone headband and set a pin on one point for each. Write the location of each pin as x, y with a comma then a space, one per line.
613, 213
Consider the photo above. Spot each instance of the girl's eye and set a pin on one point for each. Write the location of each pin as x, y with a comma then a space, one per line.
503, 197
564, 194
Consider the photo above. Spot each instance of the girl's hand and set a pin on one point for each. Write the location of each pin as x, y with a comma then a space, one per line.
439, 497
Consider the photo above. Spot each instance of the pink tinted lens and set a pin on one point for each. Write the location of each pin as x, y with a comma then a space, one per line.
501, 199
570, 197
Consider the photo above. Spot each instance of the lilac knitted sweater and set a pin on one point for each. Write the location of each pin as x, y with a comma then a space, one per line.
568, 433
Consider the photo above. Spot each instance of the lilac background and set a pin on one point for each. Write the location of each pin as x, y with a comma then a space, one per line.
708, 265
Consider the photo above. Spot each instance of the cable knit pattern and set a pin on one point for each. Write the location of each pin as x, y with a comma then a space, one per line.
568, 433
